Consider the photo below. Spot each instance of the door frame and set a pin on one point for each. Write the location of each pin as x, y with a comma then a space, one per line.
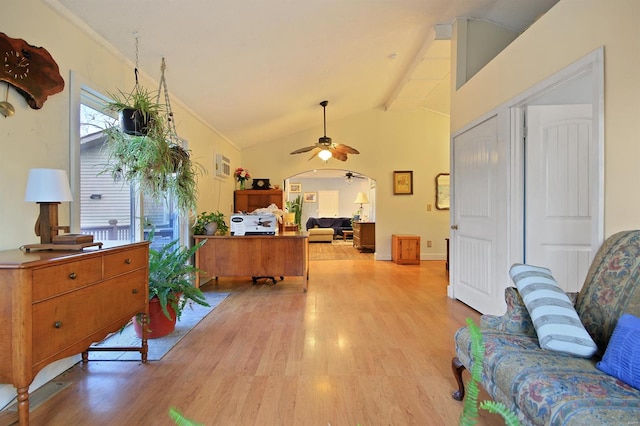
510, 116
592, 63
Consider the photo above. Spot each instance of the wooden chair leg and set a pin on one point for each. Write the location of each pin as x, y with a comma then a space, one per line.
458, 368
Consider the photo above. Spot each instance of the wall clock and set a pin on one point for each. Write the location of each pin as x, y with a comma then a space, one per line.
30, 69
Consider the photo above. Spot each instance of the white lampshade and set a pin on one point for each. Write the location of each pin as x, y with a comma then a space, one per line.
48, 186
361, 198
324, 155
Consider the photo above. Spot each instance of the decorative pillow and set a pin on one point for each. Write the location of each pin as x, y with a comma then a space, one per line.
555, 319
622, 357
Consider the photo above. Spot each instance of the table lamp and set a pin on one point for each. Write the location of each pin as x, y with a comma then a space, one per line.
361, 199
48, 187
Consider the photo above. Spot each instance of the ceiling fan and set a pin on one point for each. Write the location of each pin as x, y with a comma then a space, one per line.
351, 175
326, 149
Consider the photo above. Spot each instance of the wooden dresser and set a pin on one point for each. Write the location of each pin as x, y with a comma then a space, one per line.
364, 236
56, 304
247, 200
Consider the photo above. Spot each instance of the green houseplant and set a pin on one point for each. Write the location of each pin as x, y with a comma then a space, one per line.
204, 220
295, 207
170, 286
148, 153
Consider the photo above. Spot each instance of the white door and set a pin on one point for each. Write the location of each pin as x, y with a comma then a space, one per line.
558, 191
327, 203
478, 216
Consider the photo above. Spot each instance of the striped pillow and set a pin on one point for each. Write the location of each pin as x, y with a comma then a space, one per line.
555, 319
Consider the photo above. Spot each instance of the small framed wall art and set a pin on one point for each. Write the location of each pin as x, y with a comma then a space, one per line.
442, 191
295, 187
402, 182
310, 197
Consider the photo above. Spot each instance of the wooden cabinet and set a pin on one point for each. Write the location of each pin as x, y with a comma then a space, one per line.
364, 236
247, 200
405, 249
56, 304
253, 256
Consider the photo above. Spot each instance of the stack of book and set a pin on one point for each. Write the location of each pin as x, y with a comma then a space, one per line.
72, 239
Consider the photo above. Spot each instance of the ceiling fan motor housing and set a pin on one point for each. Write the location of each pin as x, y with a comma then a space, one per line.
324, 140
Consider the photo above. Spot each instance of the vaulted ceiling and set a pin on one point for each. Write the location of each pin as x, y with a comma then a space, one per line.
257, 70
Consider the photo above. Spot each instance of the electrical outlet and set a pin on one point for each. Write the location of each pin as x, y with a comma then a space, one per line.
428, 243
429, 207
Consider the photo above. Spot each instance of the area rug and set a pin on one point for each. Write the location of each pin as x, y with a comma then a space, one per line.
158, 348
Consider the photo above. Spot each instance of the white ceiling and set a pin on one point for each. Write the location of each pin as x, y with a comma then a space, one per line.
256, 70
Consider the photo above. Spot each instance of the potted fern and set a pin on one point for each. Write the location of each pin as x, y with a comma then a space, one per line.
170, 287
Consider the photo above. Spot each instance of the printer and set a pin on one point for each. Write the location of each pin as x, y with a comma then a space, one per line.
253, 224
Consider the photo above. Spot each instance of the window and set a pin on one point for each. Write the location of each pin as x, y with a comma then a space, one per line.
108, 210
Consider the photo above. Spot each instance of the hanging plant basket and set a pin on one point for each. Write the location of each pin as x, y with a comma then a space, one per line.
144, 149
133, 122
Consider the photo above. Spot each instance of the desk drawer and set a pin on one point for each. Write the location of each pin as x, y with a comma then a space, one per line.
60, 322
125, 261
54, 280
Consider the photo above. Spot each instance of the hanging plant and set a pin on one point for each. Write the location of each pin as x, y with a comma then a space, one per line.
151, 156
138, 110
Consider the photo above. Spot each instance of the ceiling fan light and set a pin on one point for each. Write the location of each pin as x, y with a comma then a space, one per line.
324, 155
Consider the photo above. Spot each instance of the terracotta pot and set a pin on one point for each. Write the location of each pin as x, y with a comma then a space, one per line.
159, 325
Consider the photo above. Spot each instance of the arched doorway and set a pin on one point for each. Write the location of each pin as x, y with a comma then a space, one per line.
331, 193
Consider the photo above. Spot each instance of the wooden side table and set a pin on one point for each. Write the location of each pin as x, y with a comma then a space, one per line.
291, 227
405, 249
346, 234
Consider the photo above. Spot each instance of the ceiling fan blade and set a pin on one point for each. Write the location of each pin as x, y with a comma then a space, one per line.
305, 149
315, 153
346, 148
339, 155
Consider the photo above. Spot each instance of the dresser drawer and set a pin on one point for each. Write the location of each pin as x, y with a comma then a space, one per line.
125, 261
54, 280
60, 322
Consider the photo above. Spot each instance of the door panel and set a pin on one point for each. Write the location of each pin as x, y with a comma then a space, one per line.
558, 176
476, 214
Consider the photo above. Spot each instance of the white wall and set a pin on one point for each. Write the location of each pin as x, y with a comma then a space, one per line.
570, 30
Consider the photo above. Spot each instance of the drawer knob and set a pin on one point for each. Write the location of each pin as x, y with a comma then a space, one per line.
57, 324
134, 291
73, 275
127, 261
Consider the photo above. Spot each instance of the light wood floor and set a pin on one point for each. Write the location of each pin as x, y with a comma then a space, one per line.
370, 343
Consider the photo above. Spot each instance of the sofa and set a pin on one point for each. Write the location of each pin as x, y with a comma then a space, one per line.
338, 224
547, 387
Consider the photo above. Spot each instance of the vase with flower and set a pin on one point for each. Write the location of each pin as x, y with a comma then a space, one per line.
242, 175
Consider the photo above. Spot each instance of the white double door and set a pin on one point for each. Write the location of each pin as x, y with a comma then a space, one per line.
554, 195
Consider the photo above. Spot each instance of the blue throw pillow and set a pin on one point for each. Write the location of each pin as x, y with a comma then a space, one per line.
622, 357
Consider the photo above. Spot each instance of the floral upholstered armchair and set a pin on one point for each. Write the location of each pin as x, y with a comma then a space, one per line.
548, 387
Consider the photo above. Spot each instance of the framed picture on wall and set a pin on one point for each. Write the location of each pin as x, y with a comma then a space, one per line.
295, 187
402, 182
310, 197
442, 191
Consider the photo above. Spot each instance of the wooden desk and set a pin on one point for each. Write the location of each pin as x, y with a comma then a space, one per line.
56, 304
254, 256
